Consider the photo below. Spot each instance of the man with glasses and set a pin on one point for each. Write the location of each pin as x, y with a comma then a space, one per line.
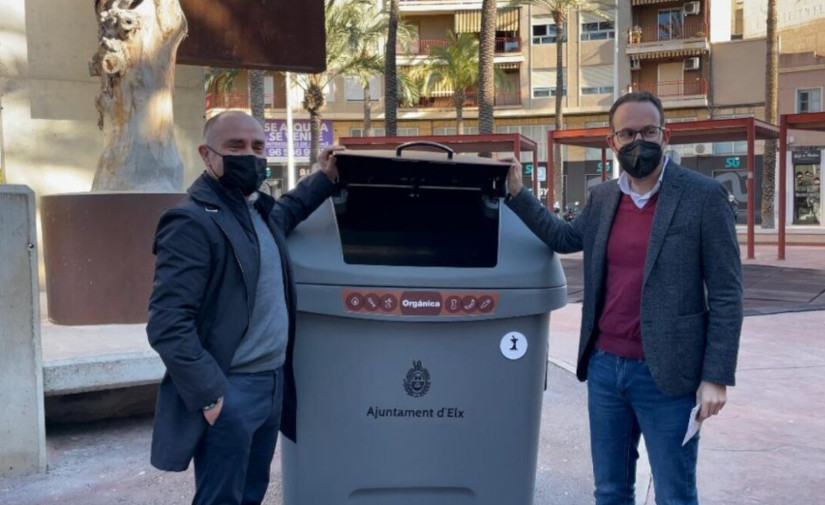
662, 309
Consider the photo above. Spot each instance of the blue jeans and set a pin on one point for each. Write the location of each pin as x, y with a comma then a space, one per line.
233, 459
624, 403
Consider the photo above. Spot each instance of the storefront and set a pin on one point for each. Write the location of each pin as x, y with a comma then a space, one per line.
730, 171
807, 185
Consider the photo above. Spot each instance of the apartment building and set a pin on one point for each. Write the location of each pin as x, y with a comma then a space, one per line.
703, 58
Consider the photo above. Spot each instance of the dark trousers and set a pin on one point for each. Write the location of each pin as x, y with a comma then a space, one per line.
233, 459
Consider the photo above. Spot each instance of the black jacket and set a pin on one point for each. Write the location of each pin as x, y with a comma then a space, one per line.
204, 289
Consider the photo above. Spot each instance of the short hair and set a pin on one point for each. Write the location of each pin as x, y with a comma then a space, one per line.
211, 122
637, 96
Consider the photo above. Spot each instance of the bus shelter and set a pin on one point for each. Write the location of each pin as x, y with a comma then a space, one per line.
492, 143
810, 121
690, 132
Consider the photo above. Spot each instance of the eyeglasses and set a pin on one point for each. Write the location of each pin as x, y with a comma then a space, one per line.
649, 132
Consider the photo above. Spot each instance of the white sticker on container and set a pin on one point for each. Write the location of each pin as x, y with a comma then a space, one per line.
513, 345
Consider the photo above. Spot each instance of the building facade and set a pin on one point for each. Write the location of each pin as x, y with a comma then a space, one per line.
703, 58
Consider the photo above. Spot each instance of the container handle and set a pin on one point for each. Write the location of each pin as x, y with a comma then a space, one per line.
427, 143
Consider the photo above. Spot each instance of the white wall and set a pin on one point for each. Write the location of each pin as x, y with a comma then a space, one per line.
790, 13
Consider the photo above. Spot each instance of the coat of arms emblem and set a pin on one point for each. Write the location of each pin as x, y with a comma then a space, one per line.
417, 382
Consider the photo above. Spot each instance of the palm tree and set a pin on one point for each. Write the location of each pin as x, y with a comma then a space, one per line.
367, 28
559, 10
390, 76
222, 80
340, 61
454, 67
256, 94
486, 67
771, 87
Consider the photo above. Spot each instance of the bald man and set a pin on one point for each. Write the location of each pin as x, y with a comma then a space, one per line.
222, 312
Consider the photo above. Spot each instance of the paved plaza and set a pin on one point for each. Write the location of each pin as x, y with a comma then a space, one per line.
765, 448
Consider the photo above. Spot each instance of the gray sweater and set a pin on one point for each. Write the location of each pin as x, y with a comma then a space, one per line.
263, 347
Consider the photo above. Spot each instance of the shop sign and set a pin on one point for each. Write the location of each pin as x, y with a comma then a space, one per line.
806, 156
277, 137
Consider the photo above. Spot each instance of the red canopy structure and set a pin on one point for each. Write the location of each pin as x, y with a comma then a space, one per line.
690, 132
492, 143
810, 121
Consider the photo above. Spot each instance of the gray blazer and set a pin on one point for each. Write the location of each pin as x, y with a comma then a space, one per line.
692, 305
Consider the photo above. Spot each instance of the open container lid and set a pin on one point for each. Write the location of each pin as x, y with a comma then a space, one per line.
416, 168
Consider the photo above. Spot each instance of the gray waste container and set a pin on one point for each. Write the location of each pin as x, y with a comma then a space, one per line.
421, 344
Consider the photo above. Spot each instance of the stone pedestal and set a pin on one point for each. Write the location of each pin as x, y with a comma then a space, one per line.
98, 255
22, 420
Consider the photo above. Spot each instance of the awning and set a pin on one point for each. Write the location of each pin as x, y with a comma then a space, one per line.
510, 65
647, 2
470, 21
672, 53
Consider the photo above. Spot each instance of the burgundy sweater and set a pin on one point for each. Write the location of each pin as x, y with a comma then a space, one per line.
619, 329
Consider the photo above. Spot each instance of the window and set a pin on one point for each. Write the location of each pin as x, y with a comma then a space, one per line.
681, 150
355, 93
544, 34
269, 91
544, 92
544, 83
537, 133
380, 132
670, 24
597, 90
734, 147
592, 153
809, 100
731, 147
598, 30
596, 80
451, 130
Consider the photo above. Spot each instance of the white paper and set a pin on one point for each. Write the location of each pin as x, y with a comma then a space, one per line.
693, 425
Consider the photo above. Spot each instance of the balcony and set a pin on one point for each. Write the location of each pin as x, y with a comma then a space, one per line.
241, 101
436, 5
688, 93
445, 101
424, 47
655, 41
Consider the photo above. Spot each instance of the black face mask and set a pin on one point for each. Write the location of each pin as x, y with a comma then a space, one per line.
640, 158
243, 172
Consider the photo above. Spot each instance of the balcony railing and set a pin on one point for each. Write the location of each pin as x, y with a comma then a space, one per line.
439, 1
241, 101
508, 45
424, 47
471, 100
670, 89
660, 33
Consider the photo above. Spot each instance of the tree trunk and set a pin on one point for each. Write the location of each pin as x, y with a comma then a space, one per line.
390, 76
137, 47
558, 189
315, 135
367, 111
771, 88
458, 100
486, 68
256, 94
313, 102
